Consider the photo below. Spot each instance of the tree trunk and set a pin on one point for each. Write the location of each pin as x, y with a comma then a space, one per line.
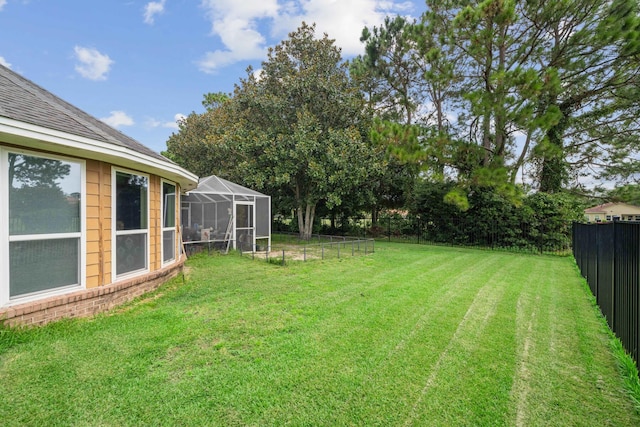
499, 102
306, 215
521, 158
488, 109
300, 220
554, 168
553, 171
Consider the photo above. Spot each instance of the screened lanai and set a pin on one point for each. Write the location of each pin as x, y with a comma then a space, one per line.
226, 214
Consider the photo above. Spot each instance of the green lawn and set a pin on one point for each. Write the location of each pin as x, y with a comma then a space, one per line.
410, 335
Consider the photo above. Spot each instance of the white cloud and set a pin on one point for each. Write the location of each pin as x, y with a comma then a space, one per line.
93, 64
2, 60
341, 20
258, 74
153, 123
152, 9
177, 118
117, 119
244, 27
2, 3
236, 24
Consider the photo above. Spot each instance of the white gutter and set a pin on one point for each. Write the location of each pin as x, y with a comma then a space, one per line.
26, 135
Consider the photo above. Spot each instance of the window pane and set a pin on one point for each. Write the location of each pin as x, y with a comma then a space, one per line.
131, 253
44, 195
131, 201
169, 204
40, 265
168, 245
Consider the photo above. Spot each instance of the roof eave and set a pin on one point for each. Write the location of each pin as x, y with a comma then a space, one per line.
31, 136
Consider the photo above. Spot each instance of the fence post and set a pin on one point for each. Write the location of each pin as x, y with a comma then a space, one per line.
389, 228
614, 288
283, 257
540, 239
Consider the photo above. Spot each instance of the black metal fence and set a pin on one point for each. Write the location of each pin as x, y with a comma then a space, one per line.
494, 233
608, 255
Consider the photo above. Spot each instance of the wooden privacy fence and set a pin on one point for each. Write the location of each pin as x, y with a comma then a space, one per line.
608, 255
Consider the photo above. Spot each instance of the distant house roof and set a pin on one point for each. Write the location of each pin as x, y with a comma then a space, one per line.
24, 102
611, 207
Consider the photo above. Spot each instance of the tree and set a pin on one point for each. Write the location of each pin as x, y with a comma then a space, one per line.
28, 171
299, 130
562, 75
202, 144
214, 100
629, 193
593, 46
309, 118
37, 203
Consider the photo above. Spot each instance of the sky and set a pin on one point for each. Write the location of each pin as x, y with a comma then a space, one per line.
142, 65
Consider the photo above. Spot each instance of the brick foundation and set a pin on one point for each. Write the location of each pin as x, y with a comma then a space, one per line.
86, 302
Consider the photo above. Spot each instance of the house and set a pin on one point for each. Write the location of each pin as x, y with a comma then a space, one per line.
89, 218
612, 212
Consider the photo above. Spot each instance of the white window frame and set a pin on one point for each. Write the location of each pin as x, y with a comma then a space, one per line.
115, 233
6, 238
177, 209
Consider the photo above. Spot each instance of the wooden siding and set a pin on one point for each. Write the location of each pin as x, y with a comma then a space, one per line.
98, 224
102, 290
99, 214
155, 232
98, 257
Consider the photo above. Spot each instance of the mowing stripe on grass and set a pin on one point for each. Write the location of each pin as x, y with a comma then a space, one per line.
521, 379
465, 337
411, 335
462, 347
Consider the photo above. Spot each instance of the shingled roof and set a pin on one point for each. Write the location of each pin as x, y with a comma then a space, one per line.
25, 101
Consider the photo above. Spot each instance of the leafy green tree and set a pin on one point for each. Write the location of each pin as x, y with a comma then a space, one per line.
541, 222
214, 100
562, 75
593, 47
202, 143
299, 130
629, 193
392, 70
29, 171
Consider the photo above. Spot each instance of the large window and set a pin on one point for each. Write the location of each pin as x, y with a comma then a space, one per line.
131, 219
44, 197
168, 222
